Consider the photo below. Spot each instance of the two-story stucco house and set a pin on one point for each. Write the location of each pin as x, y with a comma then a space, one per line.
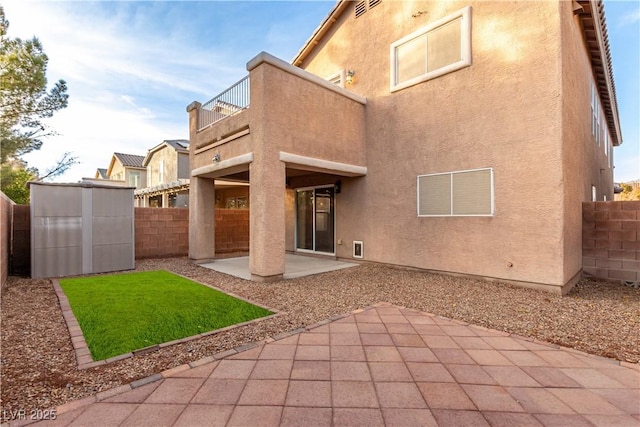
127, 168
454, 136
167, 166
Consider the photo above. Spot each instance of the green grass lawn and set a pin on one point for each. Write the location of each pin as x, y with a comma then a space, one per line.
124, 312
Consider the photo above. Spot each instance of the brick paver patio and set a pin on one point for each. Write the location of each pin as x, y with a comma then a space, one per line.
385, 365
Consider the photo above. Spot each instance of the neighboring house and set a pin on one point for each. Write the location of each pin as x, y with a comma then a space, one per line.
168, 172
167, 166
465, 139
127, 168
101, 174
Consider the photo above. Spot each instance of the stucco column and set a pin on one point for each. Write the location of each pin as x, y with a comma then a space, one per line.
202, 198
165, 200
267, 218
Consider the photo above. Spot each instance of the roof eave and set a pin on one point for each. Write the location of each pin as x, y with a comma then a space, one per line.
319, 32
593, 14
159, 147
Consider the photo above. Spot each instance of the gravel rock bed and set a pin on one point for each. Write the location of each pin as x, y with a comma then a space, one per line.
38, 369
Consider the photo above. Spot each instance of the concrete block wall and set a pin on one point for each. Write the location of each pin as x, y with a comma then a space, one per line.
232, 230
611, 240
161, 232
164, 232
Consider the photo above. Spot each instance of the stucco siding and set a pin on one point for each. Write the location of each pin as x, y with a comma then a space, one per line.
503, 112
169, 157
118, 171
299, 117
584, 160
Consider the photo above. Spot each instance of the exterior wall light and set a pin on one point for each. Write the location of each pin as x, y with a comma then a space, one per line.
216, 158
349, 79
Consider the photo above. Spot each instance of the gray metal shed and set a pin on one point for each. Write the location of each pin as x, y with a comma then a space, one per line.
81, 228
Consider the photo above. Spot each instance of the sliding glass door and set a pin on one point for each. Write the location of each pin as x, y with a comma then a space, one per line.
315, 219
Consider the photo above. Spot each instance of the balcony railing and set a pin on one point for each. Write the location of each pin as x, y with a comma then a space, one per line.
228, 103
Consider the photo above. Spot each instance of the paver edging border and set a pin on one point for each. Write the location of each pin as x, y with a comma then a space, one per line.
81, 349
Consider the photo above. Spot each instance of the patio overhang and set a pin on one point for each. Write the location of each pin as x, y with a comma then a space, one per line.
222, 168
312, 164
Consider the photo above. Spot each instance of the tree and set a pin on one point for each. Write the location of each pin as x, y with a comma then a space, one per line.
14, 182
24, 104
630, 192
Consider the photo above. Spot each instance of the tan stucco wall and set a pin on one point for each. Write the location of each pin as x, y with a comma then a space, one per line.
117, 171
585, 162
170, 158
219, 132
299, 117
504, 112
521, 108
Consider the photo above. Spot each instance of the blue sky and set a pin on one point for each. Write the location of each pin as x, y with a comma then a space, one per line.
133, 67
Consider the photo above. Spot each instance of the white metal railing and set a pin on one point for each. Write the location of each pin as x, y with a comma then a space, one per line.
228, 103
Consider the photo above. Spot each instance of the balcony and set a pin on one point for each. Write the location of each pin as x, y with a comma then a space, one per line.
226, 104
305, 121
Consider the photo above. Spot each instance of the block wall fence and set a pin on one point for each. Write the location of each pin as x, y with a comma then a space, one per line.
610, 240
164, 232
6, 218
20, 260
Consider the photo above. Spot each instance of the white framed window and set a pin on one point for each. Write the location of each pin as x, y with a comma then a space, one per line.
597, 121
134, 179
439, 48
598, 128
610, 155
161, 172
149, 176
594, 100
337, 78
594, 194
459, 193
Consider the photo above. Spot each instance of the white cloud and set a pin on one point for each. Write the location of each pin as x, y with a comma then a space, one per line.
128, 88
630, 19
93, 132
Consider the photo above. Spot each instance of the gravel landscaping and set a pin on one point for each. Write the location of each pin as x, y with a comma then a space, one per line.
38, 369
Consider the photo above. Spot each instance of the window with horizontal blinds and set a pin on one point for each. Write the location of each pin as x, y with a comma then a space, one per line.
437, 49
460, 193
434, 194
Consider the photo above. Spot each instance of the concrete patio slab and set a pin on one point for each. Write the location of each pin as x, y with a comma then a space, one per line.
295, 266
335, 374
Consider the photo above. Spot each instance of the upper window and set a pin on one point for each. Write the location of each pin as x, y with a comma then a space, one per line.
439, 48
463, 193
134, 179
593, 109
161, 172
